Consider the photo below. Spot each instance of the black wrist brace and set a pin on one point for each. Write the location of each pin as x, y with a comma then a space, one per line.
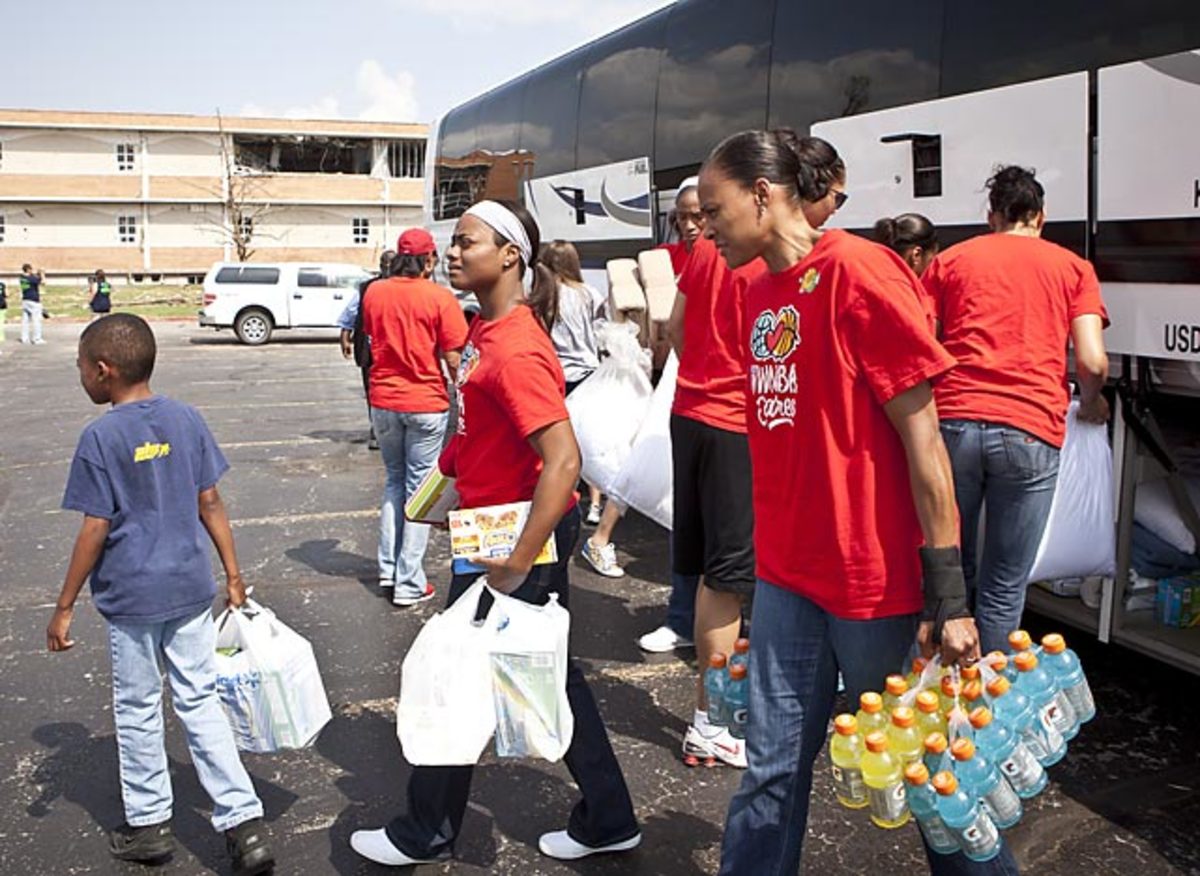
945, 587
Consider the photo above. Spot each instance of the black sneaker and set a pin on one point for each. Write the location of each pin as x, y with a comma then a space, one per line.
151, 844
247, 844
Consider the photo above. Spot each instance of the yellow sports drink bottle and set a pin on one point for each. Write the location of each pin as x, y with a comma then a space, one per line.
885, 783
929, 714
846, 751
871, 716
904, 739
896, 687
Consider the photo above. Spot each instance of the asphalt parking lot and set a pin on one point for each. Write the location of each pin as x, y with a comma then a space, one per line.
302, 493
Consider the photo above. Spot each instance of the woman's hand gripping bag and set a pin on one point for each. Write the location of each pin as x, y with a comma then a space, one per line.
445, 716
268, 681
528, 660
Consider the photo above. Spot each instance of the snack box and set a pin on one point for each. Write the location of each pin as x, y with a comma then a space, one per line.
492, 532
433, 500
1177, 602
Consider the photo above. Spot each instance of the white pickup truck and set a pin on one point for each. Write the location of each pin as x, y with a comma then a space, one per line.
255, 299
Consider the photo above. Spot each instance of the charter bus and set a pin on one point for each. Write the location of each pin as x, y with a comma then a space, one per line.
923, 99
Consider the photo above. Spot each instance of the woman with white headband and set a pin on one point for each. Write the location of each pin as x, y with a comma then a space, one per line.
513, 443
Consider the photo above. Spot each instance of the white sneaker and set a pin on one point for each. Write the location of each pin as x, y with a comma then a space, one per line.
707, 744
662, 640
593, 515
375, 846
39, 341
406, 601
559, 844
603, 560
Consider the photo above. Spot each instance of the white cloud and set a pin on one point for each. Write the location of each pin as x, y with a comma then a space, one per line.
589, 17
375, 96
388, 98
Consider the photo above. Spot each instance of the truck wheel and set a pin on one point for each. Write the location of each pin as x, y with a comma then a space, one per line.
253, 327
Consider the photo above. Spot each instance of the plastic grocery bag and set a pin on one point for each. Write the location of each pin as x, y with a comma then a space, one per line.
528, 659
268, 681
1080, 538
608, 408
445, 715
645, 481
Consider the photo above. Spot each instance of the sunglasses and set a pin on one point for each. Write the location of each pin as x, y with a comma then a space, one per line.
839, 199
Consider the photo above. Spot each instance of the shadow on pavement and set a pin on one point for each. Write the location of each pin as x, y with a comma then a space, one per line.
82, 769
323, 557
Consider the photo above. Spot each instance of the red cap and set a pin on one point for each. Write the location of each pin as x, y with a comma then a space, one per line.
415, 241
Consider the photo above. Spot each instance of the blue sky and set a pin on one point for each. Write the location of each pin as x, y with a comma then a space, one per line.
392, 60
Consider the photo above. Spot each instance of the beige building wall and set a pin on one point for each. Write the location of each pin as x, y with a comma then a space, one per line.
63, 190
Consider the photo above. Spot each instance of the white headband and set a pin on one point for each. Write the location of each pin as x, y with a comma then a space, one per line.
505, 223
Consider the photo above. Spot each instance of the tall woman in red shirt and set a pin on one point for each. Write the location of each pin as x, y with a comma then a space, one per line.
1006, 304
513, 443
856, 535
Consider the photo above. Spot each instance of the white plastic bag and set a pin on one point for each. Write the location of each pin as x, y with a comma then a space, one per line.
528, 656
1154, 508
608, 408
645, 481
445, 715
1080, 538
271, 687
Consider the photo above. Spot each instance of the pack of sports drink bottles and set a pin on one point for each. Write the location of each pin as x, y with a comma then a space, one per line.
958, 750
727, 689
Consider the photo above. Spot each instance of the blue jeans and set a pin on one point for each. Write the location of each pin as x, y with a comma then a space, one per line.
1015, 474
796, 652
186, 647
681, 605
410, 445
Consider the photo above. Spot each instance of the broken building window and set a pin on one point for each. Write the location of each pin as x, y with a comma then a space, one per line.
406, 159
302, 154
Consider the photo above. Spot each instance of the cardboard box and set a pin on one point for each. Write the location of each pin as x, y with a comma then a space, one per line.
1177, 602
492, 533
433, 500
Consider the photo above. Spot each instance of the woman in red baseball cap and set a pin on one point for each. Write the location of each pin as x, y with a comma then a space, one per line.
414, 327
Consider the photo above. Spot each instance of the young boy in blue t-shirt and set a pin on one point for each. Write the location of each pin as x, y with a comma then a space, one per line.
145, 477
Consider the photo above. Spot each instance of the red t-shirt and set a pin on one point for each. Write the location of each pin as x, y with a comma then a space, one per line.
711, 386
510, 385
679, 255
1005, 304
832, 339
410, 322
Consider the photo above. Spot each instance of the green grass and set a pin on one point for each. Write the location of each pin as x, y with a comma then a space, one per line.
150, 301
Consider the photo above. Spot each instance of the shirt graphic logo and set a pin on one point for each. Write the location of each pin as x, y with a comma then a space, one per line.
468, 363
775, 335
149, 451
809, 281
773, 380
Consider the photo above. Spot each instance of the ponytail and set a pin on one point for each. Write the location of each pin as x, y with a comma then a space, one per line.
543, 295
905, 231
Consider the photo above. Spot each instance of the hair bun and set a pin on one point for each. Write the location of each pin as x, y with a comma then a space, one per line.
885, 231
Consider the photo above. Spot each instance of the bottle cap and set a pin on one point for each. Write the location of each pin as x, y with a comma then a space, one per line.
737, 671
963, 748
969, 673
928, 702
945, 783
949, 686
871, 703
1053, 643
980, 717
997, 660
741, 646
1020, 640
935, 743
918, 665
845, 725
877, 742
717, 661
972, 690
897, 685
902, 716
916, 773
1026, 661
998, 687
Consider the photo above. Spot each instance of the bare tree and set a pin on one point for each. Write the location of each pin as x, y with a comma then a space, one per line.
243, 204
